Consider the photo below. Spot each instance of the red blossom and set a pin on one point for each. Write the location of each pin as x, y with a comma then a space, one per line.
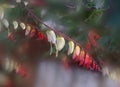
32, 33
87, 46
10, 36
38, 2
81, 62
77, 58
93, 36
87, 61
41, 36
65, 62
93, 66
21, 71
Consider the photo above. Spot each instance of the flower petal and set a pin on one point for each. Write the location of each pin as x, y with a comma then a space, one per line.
15, 24
32, 33
22, 25
60, 43
28, 29
71, 47
51, 36
5, 23
76, 52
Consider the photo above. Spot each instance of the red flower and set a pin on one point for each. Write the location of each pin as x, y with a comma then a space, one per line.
87, 61
41, 36
93, 66
93, 36
82, 57
81, 62
87, 46
32, 33
10, 36
38, 2
21, 71
65, 62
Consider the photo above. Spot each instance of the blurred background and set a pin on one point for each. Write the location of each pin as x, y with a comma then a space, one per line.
26, 61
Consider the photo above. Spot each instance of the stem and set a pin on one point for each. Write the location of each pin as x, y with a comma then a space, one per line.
57, 32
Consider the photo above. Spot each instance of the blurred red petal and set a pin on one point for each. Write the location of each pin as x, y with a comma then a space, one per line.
41, 36
93, 36
10, 36
32, 33
38, 2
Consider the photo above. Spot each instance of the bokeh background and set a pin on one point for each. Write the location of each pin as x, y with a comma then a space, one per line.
75, 18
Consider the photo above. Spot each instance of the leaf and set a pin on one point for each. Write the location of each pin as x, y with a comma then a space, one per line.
76, 52
60, 43
71, 47
22, 25
5, 23
15, 24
